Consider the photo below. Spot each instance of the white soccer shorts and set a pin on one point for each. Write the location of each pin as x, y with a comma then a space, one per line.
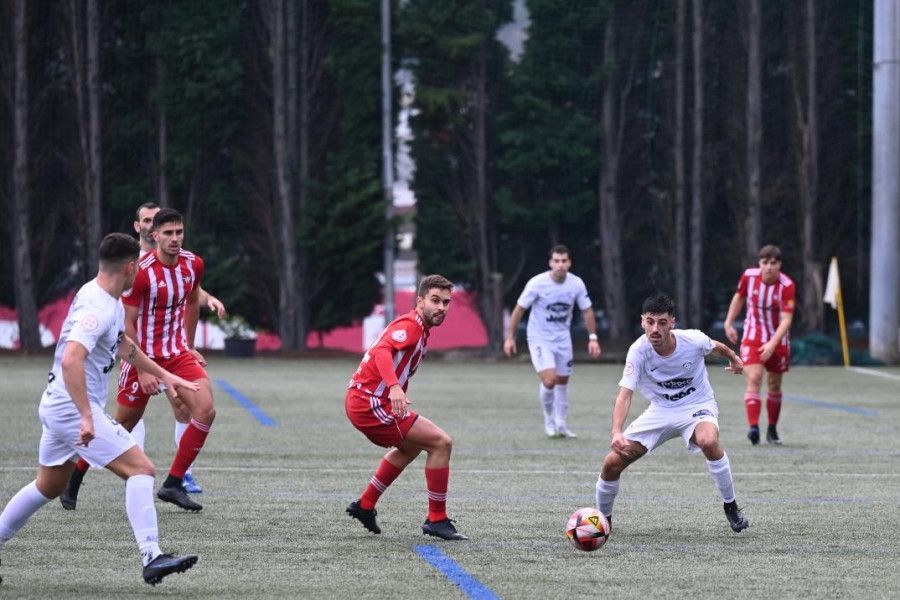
658, 424
61, 430
551, 356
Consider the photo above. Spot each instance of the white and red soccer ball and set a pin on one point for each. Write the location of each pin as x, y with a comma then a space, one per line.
588, 529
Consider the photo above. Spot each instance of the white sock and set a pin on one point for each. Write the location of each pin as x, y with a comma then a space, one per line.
721, 473
180, 428
606, 495
142, 515
139, 433
547, 402
561, 396
19, 509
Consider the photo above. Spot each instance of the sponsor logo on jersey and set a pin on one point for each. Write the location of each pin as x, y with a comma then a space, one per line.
676, 384
688, 365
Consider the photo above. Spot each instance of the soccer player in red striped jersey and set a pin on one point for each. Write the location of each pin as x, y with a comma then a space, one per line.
770, 297
377, 405
143, 226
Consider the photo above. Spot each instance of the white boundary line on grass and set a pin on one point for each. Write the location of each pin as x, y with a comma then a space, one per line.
533, 472
863, 371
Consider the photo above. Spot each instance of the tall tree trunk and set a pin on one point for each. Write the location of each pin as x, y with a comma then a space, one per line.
695, 310
162, 179
287, 301
300, 99
753, 217
681, 273
610, 225
489, 298
85, 67
813, 316
95, 196
29, 328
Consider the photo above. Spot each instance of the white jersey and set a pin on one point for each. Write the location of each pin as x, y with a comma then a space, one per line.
674, 380
96, 320
551, 306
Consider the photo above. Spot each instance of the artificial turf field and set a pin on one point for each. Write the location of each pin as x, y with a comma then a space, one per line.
823, 507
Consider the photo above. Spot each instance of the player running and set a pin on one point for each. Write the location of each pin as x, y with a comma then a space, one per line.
72, 410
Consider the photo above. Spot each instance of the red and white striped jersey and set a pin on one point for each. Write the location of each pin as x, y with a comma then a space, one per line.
765, 303
160, 293
405, 343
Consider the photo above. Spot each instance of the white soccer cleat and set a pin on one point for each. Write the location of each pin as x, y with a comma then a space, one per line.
564, 431
550, 429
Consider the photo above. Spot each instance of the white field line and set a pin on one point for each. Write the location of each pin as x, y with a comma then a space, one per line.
246, 469
863, 371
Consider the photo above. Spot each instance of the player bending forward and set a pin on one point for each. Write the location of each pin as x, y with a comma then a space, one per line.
377, 405
667, 365
71, 410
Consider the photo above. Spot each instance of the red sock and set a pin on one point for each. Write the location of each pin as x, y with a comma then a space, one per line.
437, 481
753, 402
191, 443
82, 465
773, 407
383, 478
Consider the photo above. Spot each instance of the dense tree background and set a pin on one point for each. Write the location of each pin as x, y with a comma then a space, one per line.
510, 148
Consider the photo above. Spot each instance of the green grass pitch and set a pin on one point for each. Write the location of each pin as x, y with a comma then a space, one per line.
823, 507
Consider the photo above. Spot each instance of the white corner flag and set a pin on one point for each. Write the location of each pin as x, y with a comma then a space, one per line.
833, 285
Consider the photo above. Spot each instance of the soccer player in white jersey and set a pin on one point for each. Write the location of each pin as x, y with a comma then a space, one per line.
551, 296
668, 367
72, 410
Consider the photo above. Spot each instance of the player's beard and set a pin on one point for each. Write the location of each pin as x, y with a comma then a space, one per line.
435, 318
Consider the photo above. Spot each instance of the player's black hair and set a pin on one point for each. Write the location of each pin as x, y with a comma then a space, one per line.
770, 251
659, 304
433, 281
150, 205
167, 215
117, 248
560, 249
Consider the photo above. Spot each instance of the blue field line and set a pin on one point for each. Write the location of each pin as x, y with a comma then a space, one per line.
844, 407
470, 586
244, 401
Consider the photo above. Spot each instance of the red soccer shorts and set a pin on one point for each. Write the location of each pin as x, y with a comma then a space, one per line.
184, 365
779, 362
372, 416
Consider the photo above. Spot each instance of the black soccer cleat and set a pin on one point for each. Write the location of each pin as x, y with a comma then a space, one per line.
177, 496
366, 517
166, 564
753, 435
69, 497
735, 517
443, 529
772, 436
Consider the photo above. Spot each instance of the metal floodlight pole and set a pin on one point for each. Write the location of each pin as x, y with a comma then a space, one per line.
885, 265
387, 160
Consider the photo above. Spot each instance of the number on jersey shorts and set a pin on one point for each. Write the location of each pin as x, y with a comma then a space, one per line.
184, 365
779, 362
372, 416
62, 428
659, 423
545, 356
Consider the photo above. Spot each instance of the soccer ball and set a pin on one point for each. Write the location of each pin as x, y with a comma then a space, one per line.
587, 529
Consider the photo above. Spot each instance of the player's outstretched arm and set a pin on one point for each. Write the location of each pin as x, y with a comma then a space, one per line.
619, 442
735, 365
129, 351
212, 303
